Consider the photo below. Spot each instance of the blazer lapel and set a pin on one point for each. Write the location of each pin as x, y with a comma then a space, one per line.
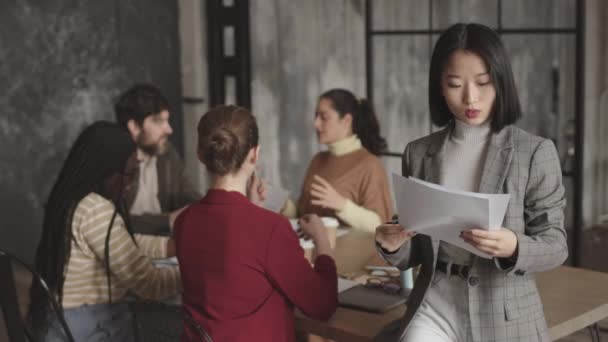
498, 159
433, 159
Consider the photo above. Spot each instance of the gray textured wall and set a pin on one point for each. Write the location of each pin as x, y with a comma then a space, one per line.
195, 80
63, 62
595, 199
300, 49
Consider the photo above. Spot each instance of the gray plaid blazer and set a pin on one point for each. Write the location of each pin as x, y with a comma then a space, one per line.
504, 304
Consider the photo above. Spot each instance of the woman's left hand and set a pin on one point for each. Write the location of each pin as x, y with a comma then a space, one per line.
500, 243
325, 196
256, 190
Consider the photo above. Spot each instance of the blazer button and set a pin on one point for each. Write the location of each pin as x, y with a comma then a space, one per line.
473, 281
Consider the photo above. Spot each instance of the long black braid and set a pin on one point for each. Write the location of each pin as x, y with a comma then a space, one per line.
100, 151
120, 208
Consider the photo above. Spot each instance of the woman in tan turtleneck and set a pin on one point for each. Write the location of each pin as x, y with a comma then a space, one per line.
348, 181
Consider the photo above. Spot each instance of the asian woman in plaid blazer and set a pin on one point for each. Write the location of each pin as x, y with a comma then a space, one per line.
458, 296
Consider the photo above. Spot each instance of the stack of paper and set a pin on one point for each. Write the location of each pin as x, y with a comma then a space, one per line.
165, 262
327, 221
441, 213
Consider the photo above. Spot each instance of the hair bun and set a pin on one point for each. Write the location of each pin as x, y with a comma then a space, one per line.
221, 148
226, 134
223, 141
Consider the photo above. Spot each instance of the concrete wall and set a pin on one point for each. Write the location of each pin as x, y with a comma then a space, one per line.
63, 63
595, 198
300, 49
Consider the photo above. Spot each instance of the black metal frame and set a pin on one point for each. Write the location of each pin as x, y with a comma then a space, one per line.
16, 327
578, 31
220, 65
580, 131
595, 332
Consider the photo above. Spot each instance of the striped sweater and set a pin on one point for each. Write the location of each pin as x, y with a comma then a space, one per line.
131, 267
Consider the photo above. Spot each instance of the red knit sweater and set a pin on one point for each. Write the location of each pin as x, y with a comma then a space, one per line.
243, 271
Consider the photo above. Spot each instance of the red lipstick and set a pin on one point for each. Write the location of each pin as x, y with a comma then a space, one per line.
471, 113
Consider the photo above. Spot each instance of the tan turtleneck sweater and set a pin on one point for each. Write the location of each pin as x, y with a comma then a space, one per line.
465, 153
358, 176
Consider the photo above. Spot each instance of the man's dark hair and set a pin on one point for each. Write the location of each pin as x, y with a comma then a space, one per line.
138, 102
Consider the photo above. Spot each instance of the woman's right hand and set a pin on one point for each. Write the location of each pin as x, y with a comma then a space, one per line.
392, 236
256, 190
312, 226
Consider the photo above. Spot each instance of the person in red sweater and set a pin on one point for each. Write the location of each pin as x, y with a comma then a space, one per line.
242, 267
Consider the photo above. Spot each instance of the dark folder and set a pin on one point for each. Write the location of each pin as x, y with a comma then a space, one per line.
370, 299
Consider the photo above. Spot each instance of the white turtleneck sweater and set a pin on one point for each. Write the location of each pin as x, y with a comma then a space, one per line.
464, 156
345, 146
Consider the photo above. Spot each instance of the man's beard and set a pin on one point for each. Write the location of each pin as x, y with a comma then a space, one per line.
152, 149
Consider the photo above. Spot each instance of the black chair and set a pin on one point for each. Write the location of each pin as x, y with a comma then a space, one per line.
159, 322
17, 328
200, 332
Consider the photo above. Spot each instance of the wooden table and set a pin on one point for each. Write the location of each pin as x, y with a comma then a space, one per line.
573, 298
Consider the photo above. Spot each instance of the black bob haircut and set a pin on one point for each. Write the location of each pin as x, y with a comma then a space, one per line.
484, 42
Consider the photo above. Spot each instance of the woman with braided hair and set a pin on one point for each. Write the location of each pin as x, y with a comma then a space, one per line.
87, 253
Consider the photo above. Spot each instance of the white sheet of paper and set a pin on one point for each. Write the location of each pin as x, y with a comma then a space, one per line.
498, 202
275, 198
165, 262
442, 213
308, 243
345, 284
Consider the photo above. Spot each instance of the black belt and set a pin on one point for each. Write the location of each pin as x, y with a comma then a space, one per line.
461, 270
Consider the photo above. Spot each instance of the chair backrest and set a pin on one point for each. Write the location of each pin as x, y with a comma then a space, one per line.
15, 278
196, 328
13, 320
158, 322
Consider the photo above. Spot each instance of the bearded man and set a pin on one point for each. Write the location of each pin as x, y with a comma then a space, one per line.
161, 189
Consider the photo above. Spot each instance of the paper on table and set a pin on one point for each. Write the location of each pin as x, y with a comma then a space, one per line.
345, 284
328, 221
441, 213
165, 262
275, 198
